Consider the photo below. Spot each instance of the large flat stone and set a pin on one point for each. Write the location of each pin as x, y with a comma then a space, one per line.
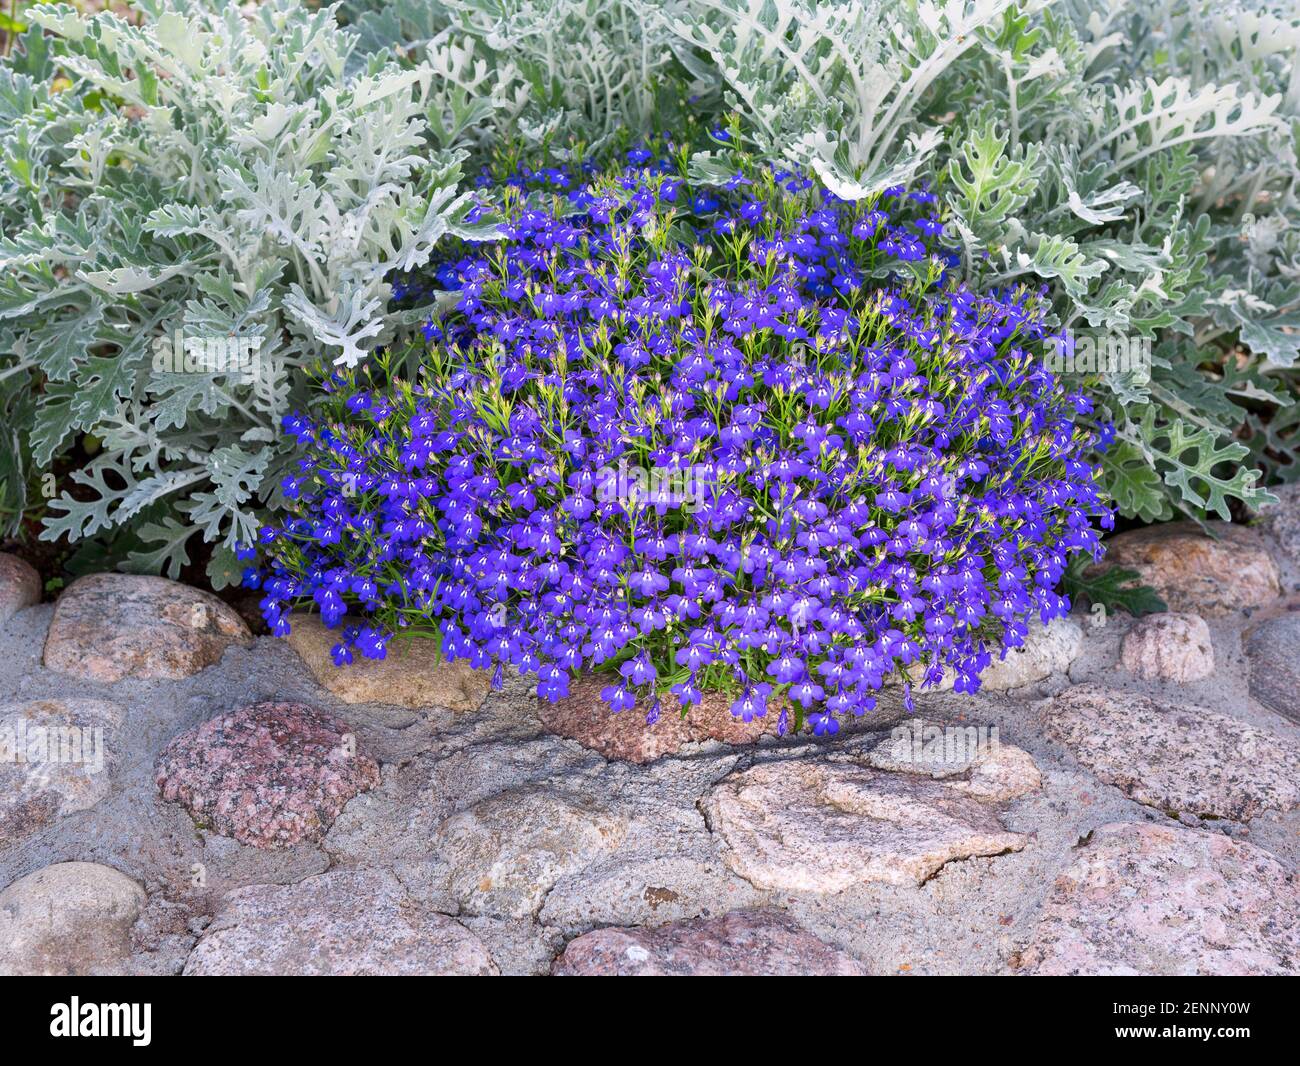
107, 627
345, 922
69, 919
55, 759
1196, 573
1163, 900
412, 674
508, 851
270, 775
810, 826
742, 943
20, 586
1175, 757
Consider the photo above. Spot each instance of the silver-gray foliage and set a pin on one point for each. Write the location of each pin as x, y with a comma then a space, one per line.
1139, 155
211, 169
208, 172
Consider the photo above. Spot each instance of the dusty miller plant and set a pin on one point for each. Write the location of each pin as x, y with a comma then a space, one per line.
212, 172
1139, 157
560, 71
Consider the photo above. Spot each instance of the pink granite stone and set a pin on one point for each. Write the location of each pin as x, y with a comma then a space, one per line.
270, 775
742, 943
583, 716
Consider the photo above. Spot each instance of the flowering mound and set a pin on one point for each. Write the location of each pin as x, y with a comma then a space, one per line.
736, 438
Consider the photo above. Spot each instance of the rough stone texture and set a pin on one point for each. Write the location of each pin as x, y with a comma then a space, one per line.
55, 758
409, 676
1175, 757
1195, 573
1282, 519
1047, 650
805, 826
1163, 900
742, 943
110, 626
506, 852
1168, 647
72, 918
342, 923
583, 716
1273, 649
970, 762
20, 586
270, 775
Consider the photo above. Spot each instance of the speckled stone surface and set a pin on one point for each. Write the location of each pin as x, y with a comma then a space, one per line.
1282, 519
506, 853
410, 675
56, 758
1164, 900
1196, 573
807, 826
993, 772
1273, 649
20, 586
583, 716
269, 775
742, 943
107, 627
68, 919
1178, 758
1168, 647
341, 923
1047, 649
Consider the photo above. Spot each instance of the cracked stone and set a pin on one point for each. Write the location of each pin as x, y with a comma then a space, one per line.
110, 626
55, 759
411, 675
508, 851
69, 919
806, 826
345, 922
1175, 757
1168, 647
1163, 900
269, 775
742, 943
1195, 573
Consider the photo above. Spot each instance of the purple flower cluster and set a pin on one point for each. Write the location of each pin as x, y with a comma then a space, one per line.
736, 437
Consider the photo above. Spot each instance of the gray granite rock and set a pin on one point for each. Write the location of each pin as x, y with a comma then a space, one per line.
345, 922
107, 627
1176, 757
68, 919
1273, 650
1163, 900
814, 826
741, 944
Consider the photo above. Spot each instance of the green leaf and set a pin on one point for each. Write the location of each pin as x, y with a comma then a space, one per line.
1110, 586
